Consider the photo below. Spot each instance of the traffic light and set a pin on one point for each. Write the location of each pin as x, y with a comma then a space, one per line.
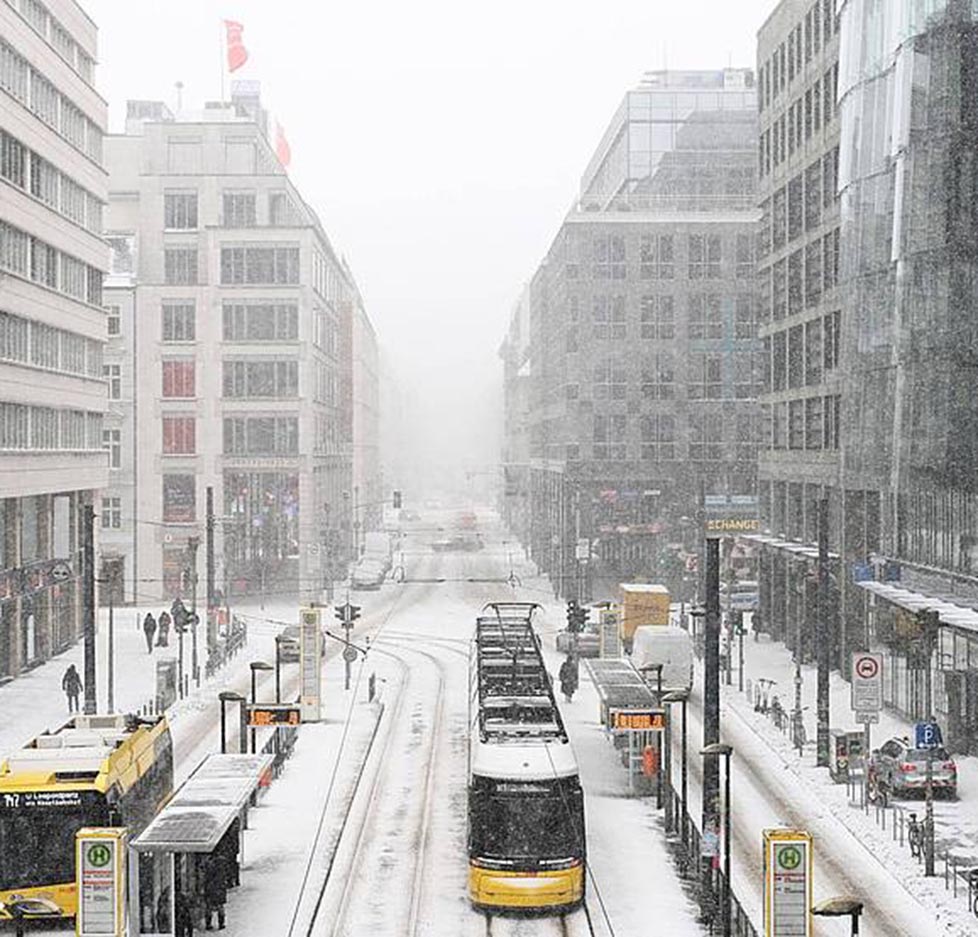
354, 612
572, 615
397, 500
347, 613
583, 614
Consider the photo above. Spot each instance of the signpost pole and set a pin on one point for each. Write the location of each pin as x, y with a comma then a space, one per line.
347, 625
929, 815
867, 749
711, 726
824, 636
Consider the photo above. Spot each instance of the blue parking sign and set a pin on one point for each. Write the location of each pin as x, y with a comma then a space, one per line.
927, 735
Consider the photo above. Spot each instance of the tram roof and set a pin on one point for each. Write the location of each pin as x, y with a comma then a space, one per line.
524, 760
205, 805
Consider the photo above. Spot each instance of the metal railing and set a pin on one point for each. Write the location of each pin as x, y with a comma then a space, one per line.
280, 744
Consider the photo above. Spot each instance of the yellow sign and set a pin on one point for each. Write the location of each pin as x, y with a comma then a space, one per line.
260, 716
787, 883
637, 720
733, 525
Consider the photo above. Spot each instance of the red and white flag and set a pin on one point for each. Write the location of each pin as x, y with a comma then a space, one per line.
237, 53
282, 149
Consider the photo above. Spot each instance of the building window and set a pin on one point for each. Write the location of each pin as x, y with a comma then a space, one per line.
796, 424
744, 324
179, 499
813, 273
179, 435
261, 378
705, 437
259, 436
830, 177
813, 423
779, 219
744, 257
656, 257
745, 438
704, 256
180, 211
658, 317
608, 255
831, 327
659, 378
830, 259
13, 160
112, 443
261, 322
705, 316
744, 380
813, 195
813, 351
282, 212
795, 208
795, 293
608, 316
658, 437
830, 422
704, 378
610, 380
608, 437
179, 322
239, 210
111, 513
113, 378
113, 321
252, 265
179, 379
180, 266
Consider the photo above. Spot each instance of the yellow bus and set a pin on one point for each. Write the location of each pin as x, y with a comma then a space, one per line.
93, 771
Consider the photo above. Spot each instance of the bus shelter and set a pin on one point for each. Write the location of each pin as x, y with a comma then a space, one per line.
168, 860
630, 711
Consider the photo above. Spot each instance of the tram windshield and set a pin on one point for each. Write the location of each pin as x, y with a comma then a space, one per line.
540, 825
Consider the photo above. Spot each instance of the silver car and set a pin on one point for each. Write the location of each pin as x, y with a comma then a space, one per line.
903, 769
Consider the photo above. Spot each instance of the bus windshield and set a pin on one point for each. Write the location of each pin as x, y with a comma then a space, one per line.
37, 846
514, 826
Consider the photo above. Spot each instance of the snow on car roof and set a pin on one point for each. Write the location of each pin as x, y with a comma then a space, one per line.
523, 760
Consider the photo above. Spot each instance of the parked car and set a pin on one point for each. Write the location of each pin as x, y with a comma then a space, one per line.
368, 574
902, 769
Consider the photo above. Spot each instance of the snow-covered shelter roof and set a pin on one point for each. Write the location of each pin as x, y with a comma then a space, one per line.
206, 804
619, 684
957, 616
805, 551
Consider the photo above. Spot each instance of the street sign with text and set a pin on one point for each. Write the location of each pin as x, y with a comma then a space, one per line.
787, 883
866, 689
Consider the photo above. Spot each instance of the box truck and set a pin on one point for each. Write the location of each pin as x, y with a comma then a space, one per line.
642, 603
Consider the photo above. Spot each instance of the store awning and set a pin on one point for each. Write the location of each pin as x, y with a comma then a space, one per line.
205, 805
950, 614
797, 549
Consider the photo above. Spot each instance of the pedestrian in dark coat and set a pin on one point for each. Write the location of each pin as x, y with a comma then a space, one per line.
568, 677
72, 685
184, 916
215, 889
149, 629
163, 638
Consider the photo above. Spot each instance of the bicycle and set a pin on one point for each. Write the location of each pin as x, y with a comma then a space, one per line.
915, 836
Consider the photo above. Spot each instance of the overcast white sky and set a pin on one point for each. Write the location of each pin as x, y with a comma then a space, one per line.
441, 142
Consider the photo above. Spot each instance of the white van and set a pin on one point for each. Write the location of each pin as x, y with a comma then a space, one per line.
673, 648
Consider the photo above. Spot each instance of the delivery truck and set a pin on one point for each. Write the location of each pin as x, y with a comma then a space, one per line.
642, 603
672, 649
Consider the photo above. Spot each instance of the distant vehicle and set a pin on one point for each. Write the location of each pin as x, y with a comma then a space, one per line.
93, 771
466, 520
377, 548
460, 543
642, 603
409, 517
526, 840
672, 648
902, 769
739, 596
368, 574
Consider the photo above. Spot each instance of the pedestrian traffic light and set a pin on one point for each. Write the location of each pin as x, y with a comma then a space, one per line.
397, 500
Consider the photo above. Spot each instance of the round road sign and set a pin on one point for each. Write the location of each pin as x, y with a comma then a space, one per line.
866, 667
789, 858
349, 654
99, 855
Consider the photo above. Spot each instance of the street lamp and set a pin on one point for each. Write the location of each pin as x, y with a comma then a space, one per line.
657, 668
723, 750
841, 907
227, 696
680, 696
255, 666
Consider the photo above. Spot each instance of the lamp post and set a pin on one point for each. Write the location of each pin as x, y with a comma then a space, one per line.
193, 543
841, 907
657, 669
227, 696
255, 666
723, 750
682, 697
278, 668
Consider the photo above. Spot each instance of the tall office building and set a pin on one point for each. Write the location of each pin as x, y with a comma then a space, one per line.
801, 304
638, 346
52, 325
234, 323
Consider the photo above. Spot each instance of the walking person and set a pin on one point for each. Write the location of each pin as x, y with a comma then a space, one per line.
215, 888
149, 629
568, 677
163, 638
72, 685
